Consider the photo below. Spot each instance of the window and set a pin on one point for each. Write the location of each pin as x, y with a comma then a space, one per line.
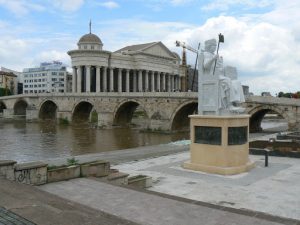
85, 47
237, 135
92, 47
208, 135
54, 73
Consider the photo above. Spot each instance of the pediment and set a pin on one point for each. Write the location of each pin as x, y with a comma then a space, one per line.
158, 49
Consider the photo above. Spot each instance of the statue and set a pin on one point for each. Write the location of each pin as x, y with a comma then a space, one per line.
221, 92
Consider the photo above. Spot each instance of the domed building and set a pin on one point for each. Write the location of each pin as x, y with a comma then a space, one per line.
149, 67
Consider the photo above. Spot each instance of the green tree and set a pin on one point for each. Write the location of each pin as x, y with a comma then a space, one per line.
4, 92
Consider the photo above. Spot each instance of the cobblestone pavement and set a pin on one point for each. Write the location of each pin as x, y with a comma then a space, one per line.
9, 218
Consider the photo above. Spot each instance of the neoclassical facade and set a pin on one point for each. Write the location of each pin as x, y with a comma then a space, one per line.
150, 67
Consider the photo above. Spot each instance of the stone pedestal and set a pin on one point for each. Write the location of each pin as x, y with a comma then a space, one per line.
219, 144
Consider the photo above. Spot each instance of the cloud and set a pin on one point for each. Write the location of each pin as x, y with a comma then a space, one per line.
109, 4
225, 5
180, 2
158, 5
49, 56
266, 54
68, 5
21, 7
116, 34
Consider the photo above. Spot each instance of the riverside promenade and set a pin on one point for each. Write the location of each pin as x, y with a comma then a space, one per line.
92, 201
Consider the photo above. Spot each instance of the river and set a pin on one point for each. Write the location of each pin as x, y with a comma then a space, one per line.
23, 141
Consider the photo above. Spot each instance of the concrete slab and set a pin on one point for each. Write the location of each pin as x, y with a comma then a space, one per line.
273, 190
146, 208
24, 204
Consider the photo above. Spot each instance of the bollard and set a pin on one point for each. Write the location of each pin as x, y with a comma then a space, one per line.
267, 157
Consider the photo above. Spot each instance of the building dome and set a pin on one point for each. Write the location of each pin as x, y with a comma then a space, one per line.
90, 41
90, 38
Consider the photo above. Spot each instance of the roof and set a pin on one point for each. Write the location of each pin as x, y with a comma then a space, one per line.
8, 74
135, 47
90, 38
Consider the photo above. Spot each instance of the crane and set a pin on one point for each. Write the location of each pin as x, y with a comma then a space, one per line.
184, 47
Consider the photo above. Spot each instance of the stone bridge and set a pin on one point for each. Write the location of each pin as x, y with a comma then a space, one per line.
161, 110
258, 107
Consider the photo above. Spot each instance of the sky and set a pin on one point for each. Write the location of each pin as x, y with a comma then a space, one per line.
262, 37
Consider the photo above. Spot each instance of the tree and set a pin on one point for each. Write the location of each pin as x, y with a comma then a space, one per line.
280, 94
4, 92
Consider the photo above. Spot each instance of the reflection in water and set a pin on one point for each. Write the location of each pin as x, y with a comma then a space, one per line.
22, 141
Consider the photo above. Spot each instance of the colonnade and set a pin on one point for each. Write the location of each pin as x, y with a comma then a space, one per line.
108, 79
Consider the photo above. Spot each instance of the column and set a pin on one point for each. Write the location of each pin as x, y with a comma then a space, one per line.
158, 81
163, 81
179, 83
111, 79
172, 82
98, 79
79, 77
169, 82
152, 82
88, 79
127, 81
140, 79
147, 81
119, 80
74, 79
104, 79
134, 81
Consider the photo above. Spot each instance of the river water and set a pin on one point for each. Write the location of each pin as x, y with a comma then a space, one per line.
23, 141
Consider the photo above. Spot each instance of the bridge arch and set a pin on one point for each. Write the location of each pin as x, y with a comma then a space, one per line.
82, 111
180, 119
126, 110
2, 106
48, 110
257, 114
20, 107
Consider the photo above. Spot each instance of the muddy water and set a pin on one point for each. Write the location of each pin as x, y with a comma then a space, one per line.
22, 141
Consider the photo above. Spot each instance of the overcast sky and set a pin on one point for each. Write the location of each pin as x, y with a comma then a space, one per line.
262, 37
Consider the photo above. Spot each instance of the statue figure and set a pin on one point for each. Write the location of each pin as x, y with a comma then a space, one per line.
229, 90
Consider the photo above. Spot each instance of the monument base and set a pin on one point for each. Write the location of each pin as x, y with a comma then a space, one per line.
219, 170
219, 144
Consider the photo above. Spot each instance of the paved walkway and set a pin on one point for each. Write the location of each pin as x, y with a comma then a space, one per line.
149, 208
27, 205
273, 190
